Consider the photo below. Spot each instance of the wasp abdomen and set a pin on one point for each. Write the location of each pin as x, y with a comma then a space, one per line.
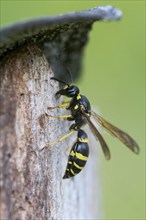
78, 156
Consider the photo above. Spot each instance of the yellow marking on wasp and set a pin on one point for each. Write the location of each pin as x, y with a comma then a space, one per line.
85, 140
81, 157
69, 162
72, 172
78, 97
72, 153
65, 87
77, 166
76, 107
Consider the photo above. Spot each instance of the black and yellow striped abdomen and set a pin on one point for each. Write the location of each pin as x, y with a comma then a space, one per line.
78, 155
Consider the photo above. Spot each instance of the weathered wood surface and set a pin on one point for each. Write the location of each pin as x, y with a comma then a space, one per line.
31, 183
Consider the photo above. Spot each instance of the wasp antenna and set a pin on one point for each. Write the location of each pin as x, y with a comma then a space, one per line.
69, 73
58, 80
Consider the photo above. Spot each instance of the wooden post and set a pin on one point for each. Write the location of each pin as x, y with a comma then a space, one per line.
32, 184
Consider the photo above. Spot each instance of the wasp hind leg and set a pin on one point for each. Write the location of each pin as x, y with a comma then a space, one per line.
68, 117
59, 140
63, 137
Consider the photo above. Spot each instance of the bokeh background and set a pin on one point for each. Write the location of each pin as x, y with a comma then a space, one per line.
113, 78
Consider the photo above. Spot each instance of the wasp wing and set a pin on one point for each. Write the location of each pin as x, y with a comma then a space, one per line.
121, 135
98, 136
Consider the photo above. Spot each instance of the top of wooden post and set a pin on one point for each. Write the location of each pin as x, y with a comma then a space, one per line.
62, 37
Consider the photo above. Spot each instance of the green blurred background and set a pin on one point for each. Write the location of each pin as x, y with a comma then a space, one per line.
113, 78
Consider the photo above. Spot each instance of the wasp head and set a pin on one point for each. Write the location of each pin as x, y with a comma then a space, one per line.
69, 91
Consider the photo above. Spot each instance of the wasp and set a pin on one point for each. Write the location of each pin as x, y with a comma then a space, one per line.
80, 113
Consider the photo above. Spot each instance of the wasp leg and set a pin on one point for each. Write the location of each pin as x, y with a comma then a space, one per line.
69, 117
63, 105
63, 137
59, 140
63, 102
